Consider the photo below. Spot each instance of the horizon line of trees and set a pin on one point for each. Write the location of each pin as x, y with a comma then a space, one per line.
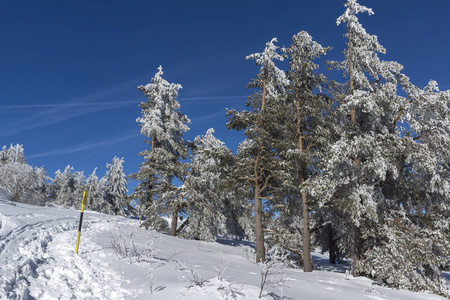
20, 182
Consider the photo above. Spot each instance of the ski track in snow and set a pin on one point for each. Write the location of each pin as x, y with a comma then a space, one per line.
38, 261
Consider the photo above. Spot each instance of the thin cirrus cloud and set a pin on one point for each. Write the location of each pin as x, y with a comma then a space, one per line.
54, 113
49, 114
208, 117
84, 147
189, 100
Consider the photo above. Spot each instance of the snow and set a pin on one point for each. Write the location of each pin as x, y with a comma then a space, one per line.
38, 261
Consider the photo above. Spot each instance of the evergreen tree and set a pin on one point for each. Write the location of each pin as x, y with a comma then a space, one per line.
80, 187
96, 193
205, 186
366, 97
306, 132
15, 153
257, 162
116, 188
19, 181
64, 187
386, 170
163, 125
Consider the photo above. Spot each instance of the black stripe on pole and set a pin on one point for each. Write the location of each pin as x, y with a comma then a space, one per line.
81, 221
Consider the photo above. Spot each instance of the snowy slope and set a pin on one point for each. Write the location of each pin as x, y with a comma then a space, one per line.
37, 261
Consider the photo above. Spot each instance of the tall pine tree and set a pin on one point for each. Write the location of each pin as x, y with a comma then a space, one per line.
307, 133
257, 161
386, 170
163, 124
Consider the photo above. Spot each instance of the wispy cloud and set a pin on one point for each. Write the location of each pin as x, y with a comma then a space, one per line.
64, 105
55, 115
44, 114
208, 98
199, 120
84, 147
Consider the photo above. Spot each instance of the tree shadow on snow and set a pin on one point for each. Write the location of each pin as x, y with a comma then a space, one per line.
323, 264
276, 297
235, 243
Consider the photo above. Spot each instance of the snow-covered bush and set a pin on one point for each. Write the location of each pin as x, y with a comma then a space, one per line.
271, 270
194, 277
125, 247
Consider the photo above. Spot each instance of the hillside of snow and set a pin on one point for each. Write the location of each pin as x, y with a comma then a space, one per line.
119, 260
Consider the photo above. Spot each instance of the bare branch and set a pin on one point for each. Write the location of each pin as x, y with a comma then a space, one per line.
424, 134
247, 178
321, 226
266, 183
332, 94
402, 110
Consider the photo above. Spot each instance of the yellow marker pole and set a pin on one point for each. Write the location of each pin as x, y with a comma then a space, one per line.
139, 211
83, 203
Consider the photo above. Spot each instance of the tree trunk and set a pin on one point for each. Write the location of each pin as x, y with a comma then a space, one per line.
331, 245
357, 242
306, 235
307, 259
259, 230
173, 226
357, 250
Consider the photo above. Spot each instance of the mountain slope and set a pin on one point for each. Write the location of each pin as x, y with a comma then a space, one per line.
119, 260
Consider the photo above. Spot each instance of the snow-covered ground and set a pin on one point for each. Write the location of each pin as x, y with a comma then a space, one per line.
38, 261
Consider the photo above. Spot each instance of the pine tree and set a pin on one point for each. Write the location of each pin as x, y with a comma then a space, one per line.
64, 187
306, 132
371, 86
163, 125
20, 182
96, 193
257, 162
116, 187
204, 188
80, 187
15, 153
416, 216
384, 172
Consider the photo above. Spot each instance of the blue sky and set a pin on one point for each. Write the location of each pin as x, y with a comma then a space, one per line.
69, 69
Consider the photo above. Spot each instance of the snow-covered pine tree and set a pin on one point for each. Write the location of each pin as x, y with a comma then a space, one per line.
64, 187
15, 153
204, 187
257, 162
96, 193
19, 181
163, 124
415, 220
306, 130
388, 167
80, 187
367, 98
116, 188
